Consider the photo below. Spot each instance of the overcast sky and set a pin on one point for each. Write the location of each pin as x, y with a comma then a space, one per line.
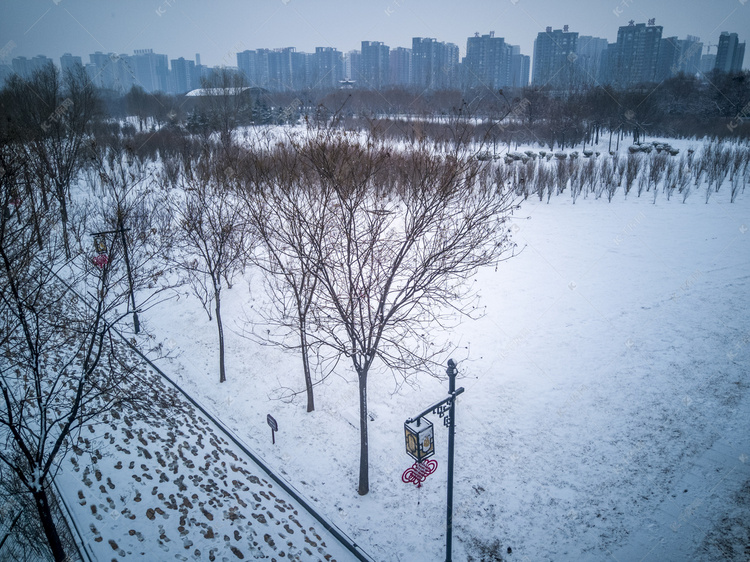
217, 30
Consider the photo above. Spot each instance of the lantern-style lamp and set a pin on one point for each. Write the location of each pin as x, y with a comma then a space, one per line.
100, 245
420, 443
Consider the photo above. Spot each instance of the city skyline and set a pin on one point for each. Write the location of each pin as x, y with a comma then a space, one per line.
563, 60
182, 28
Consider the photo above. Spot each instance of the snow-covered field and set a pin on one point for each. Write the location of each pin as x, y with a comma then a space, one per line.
606, 410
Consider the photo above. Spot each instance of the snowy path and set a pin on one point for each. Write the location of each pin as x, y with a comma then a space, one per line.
164, 484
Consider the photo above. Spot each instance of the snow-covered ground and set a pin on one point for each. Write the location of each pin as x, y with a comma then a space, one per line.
161, 482
606, 410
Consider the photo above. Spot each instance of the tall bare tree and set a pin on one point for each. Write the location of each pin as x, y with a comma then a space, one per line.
405, 232
288, 211
212, 235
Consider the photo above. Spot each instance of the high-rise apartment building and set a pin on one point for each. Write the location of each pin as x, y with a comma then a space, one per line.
691, 50
374, 66
327, 68
669, 58
679, 56
520, 68
730, 53
400, 67
708, 62
434, 64
151, 70
589, 54
69, 63
353, 66
487, 63
554, 59
277, 69
634, 58
25, 68
183, 76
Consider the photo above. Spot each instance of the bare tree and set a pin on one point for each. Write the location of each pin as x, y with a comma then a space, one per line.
632, 169
226, 103
211, 235
134, 215
589, 176
671, 178
287, 210
52, 116
658, 165
60, 367
393, 261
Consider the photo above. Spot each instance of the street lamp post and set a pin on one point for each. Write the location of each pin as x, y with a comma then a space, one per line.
420, 446
101, 248
452, 372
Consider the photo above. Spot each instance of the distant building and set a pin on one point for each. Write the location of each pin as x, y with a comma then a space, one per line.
400, 67
275, 69
434, 64
708, 62
487, 63
520, 68
69, 62
691, 50
26, 68
184, 77
679, 56
634, 58
669, 58
304, 70
554, 59
280, 69
151, 70
328, 68
353, 66
254, 67
375, 65
730, 53
590, 54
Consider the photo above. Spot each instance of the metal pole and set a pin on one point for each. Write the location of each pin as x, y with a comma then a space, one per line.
451, 371
136, 323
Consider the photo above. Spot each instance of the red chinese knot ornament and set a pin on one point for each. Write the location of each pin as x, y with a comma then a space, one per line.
418, 472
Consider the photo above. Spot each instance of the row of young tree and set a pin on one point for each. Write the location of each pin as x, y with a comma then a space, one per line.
365, 251
544, 174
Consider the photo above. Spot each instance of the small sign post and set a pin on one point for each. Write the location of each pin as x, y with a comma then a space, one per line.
274, 427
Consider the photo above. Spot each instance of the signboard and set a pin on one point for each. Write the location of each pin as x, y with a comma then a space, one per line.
273, 424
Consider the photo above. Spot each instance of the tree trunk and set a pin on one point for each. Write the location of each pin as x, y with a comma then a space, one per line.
364, 468
64, 217
306, 368
50, 530
222, 372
